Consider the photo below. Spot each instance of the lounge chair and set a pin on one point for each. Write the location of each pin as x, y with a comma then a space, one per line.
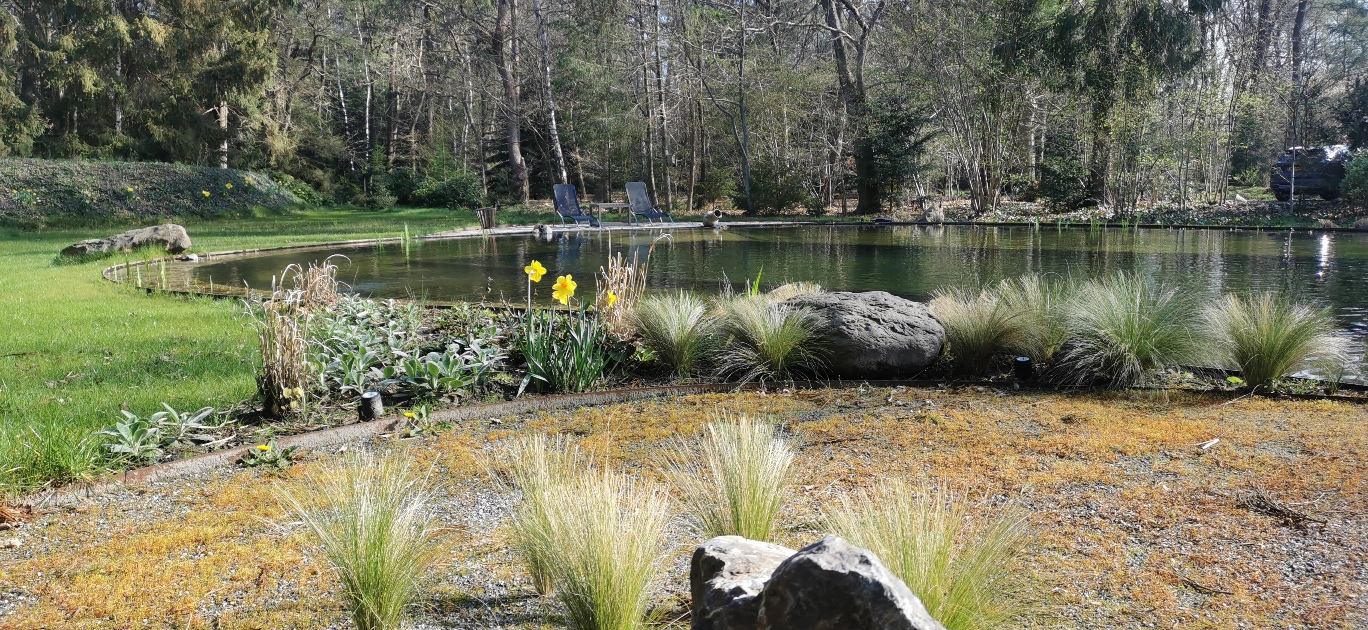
567, 206
641, 205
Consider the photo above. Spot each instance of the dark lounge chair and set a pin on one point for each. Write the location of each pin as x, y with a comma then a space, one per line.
641, 205
567, 206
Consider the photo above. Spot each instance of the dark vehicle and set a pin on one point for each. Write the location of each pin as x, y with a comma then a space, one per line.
1318, 171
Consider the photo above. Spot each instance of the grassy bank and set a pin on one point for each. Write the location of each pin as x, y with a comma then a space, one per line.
75, 349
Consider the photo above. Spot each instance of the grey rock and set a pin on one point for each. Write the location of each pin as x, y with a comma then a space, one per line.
725, 578
874, 334
833, 585
171, 236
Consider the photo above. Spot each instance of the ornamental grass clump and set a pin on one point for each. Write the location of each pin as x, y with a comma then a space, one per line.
768, 341
533, 466
979, 326
606, 538
1121, 329
962, 565
370, 516
734, 480
1267, 337
1037, 304
680, 330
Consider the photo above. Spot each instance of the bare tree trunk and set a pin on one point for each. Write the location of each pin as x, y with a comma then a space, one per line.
223, 128
665, 157
552, 131
851, 83
506, 45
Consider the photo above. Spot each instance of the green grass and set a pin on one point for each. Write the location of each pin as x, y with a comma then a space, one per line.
679, 328
733, 481
75, 349
1267, 337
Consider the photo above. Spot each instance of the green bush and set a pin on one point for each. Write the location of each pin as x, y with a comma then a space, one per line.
775, 191
404, 183
379, 197
457, 190
299, 188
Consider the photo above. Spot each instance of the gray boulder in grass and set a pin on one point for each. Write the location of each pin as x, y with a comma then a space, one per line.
874, 334
170, 236
833, 585
726, 577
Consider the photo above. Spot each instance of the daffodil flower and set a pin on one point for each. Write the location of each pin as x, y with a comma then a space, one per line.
564, 289
535, 271
205, 193
228, 186
408, 414
264, 447
612, 299
130, 189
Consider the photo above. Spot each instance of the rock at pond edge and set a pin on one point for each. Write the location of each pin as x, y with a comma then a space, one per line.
169, 235
874, 334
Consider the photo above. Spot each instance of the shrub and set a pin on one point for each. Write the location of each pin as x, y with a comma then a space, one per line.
979, 326
534, 465
606, 537
1354, 186
1266, 337
734, 482
679, 328
370, 518
959, 564
404, 183
380, 197
1122, 328
456, 190
773, 191
768, 341
564, 352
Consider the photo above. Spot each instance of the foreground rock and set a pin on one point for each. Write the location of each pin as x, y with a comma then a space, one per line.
874, 334
725, 579
740, 584
170, 236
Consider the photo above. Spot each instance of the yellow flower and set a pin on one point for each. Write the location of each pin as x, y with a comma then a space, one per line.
205, 193
408, 414
535, 271
264, 447
229, 186
130, 189
564, 289
612, 298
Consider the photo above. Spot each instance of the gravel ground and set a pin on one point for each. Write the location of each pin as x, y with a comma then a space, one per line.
1134, 524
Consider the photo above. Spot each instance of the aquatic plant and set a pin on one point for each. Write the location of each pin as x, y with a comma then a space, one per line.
961, 564
679, 329
1267, 337
1120, 329
370, 517
734, 480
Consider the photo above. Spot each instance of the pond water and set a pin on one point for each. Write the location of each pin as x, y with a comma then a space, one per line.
1327, 268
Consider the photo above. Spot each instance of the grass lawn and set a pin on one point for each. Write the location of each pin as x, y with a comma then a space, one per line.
1133, 524
75, 349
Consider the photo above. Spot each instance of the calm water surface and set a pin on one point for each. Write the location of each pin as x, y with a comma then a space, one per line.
1330, 269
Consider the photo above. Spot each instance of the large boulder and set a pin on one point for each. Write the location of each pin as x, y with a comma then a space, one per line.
833, 585
170, 236
725, 578
874, 334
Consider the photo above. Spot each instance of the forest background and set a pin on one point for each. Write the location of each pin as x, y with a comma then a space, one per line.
763, 105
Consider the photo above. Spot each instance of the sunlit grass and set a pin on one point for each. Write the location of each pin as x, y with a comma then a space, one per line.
734, 480
1123, 328
679, 328
535, 465
768, 341
1268, 337
959, 562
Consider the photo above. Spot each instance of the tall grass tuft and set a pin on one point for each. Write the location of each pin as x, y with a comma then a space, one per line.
679, 329
1038, 305
534, 465
768, 341
959, 564
979, 326
370, 517
606, 538
1267, 338
627, 282
282, 333
1121, 329
736, 479
57, 453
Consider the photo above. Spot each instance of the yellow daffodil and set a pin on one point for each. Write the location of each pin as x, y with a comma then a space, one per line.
205, 193
130, 189
408, 414
535, 271
612, 299
264, 447
564, 289
228, 186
